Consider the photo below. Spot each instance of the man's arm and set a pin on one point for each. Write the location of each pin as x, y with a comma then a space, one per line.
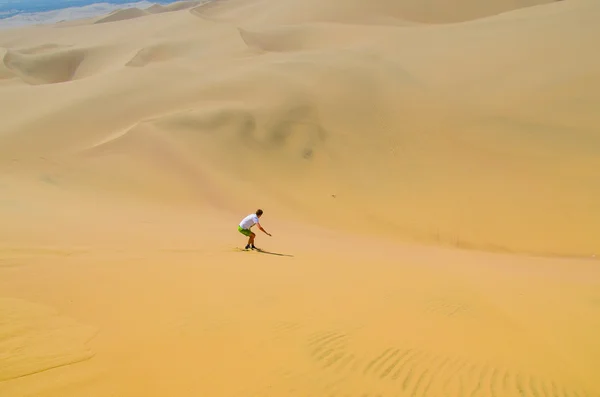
261, 228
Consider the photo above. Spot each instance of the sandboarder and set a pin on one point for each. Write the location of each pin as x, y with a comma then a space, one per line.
247, 223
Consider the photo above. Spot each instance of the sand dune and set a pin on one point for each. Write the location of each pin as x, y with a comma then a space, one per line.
124, 14
177, 6
5, 72
56, 67
132, 12
156, 9
44, 48
52, 64
314, 118
356, 11
180, 5
310, 37
159, 53
428, 170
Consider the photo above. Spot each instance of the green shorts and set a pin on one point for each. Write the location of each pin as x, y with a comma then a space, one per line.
245, 232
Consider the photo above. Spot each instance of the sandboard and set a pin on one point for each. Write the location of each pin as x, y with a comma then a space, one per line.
238, 249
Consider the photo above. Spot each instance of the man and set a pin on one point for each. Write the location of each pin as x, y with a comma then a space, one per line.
247, 223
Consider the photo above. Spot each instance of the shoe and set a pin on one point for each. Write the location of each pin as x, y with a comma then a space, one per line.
247, 247
253, 247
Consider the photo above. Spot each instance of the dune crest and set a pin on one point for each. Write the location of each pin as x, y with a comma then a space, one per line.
133, 13
159, 53
182, 5
44, 48
357, 11
176, 6
310, 36
123, 14
156, 9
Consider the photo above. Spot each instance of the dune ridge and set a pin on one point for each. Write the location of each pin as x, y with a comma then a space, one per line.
123, 14
159, 53
428, 172
357, 11
181, 5
133, 12
176, 6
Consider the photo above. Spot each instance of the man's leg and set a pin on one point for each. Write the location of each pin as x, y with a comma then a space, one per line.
247, 233
250, 240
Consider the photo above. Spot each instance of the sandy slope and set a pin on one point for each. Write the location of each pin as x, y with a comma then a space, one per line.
130, 149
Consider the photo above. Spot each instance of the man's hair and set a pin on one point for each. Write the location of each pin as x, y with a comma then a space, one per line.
259, 212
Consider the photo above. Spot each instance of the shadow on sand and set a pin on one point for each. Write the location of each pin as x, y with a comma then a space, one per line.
261, 251
273, 253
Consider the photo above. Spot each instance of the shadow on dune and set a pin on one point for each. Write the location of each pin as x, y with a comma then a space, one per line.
273, 253
261, 251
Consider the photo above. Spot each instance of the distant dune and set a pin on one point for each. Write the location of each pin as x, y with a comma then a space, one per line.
156, 9
69, 16
182, 5
121, 15
177, 6
358, 11
429, 173
130, 13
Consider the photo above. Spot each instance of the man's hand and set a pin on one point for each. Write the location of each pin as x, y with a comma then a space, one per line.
261, 228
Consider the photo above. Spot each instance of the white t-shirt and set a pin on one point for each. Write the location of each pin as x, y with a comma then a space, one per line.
249, 221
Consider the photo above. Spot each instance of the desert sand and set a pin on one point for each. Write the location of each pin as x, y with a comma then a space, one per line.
429, 171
